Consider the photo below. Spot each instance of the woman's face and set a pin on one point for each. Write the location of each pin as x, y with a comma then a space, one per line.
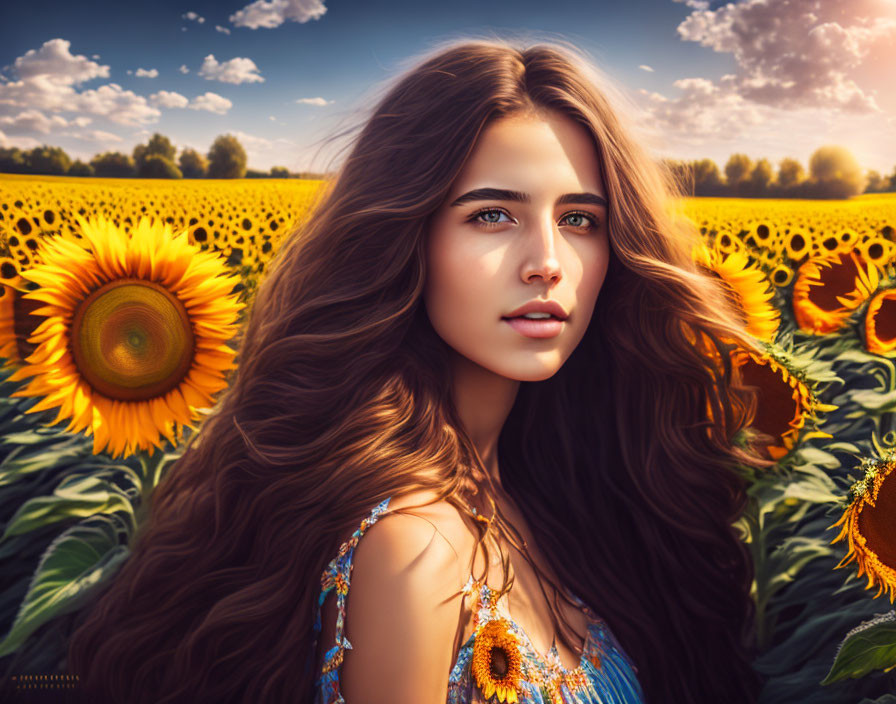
488, 254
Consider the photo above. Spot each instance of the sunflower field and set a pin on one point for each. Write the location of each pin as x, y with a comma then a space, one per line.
121, 302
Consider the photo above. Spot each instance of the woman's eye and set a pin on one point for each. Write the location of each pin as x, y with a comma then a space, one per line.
488, 214
490, 217
583, 217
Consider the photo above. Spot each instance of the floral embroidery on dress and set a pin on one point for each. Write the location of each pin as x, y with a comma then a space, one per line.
498, 662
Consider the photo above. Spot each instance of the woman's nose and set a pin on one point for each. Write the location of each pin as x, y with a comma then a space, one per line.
541, 252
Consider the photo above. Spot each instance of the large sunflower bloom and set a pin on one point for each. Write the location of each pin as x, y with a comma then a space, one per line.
829, 288
746, 286
867, 523
497, 663
133, 340
784, 401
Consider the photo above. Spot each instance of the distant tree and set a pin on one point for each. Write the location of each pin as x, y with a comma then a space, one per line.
226, 158
791, 175
255, 173
12, 161
47, 160
834, 173
874, 182
113, 165
157, 166
760, 180
892, 179
707, 178
279, 172
737, 171
79, 168
193, 164
157, 144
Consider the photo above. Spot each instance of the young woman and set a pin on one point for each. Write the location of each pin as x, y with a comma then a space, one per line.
532, 510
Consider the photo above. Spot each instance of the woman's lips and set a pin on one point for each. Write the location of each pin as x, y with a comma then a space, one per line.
546, 327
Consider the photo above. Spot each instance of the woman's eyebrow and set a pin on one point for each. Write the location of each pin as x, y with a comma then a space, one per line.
504, 194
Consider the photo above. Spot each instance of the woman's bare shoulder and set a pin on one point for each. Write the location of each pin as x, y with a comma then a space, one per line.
403, 610
449, 522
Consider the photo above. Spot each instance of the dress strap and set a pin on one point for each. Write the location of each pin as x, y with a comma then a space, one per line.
338, 574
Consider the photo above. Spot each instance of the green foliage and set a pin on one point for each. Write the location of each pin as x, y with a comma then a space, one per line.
79, 168
706, 175
113, 165
835, 173
790, 173
279, 172
867, 647
12, 161
158, 166
227, 158
737, 170
47, 160
159, 145
193, 164
761, 178
874, 182
68, 520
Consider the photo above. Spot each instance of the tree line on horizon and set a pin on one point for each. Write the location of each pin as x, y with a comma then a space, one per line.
833, 173
226, 158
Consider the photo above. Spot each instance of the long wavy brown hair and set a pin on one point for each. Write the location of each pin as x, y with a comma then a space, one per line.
340, 399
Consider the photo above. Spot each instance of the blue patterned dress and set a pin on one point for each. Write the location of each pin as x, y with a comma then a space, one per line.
605, 674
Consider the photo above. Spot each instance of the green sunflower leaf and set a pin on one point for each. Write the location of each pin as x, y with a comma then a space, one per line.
77, 560
870, 646
75, 496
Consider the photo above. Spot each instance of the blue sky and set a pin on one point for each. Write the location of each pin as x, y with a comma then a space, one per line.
771, 79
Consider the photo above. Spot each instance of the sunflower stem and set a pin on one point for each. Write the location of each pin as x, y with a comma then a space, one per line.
150, 473
757, 550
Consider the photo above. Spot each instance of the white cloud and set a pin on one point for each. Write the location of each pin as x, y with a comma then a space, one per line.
212, 102
47, 80
703, 110
193, 16
183, 68
94, 136
268, 15
644, 67
796, 53
266, 151
32, 121
123, 107
54, 62
237, 70
223, 30
20, 142
147, 73
95, 57
313, 101
81, 121
168, 99
795, 80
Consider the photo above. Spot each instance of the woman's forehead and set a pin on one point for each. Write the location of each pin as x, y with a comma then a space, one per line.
534, 156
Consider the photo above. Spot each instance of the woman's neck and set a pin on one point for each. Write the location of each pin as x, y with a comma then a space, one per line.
483, 401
